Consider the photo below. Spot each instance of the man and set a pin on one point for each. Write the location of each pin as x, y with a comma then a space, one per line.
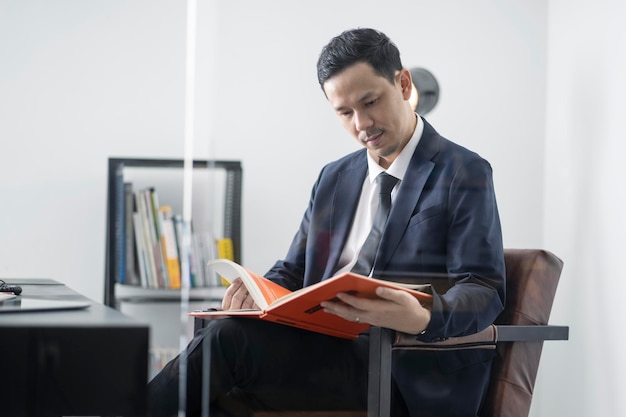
443, 223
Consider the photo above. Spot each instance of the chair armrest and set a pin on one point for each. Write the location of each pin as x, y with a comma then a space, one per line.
485, 339
531, 333
382, 341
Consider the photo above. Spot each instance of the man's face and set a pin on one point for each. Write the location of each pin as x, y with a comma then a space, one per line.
372, 110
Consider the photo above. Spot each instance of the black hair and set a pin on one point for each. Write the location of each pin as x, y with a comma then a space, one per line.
359, 45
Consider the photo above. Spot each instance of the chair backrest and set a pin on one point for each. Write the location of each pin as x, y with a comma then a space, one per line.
532, 279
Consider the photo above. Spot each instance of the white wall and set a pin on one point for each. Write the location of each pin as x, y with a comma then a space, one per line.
489, 57
81, 81
584, 207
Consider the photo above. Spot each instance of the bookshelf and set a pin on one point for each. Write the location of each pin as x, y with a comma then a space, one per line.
216, 218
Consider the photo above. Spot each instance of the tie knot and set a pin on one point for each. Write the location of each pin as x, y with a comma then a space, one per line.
386, 182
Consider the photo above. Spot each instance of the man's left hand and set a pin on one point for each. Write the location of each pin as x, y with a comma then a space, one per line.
394, 309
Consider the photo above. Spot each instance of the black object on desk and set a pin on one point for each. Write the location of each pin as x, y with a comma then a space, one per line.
84, 359
7, 287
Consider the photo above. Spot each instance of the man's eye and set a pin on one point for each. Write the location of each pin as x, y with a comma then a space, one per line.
346, 113
371, 102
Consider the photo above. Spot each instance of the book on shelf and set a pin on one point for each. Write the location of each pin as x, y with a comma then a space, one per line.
142, 252
225, 251
301, 308
117, 261
189, 250
147, 241
168, 244
155, 236
152, 205
195, 260
130, 274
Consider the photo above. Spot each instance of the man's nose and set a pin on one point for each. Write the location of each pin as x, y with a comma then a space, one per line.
362, 121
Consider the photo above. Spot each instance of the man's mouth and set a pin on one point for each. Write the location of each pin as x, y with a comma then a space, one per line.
373, 139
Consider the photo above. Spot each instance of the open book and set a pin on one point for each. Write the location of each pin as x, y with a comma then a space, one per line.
302, 308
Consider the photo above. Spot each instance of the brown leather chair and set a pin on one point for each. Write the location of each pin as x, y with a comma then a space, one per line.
533, 276
517, 335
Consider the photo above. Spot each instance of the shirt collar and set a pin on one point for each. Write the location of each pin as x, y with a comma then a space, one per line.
401, 163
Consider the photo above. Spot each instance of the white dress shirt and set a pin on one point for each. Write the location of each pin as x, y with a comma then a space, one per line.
368, 202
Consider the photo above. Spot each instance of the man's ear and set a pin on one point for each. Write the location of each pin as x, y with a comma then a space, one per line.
406, 83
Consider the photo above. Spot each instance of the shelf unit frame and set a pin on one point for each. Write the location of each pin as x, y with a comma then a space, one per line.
232, 206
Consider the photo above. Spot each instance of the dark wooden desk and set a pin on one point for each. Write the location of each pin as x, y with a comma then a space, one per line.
75, 362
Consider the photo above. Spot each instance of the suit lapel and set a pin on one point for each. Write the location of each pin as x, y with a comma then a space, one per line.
349, 183
410, 190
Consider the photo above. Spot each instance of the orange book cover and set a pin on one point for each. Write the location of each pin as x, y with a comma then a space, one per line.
302, 308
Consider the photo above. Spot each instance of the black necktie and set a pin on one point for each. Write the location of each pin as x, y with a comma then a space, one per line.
367, 255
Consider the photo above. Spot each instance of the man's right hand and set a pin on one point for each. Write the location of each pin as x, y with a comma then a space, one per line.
237, 297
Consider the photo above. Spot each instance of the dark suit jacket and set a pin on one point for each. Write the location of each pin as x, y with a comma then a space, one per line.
444, 222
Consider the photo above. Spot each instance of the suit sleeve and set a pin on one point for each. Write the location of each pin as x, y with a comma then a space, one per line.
474, 256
